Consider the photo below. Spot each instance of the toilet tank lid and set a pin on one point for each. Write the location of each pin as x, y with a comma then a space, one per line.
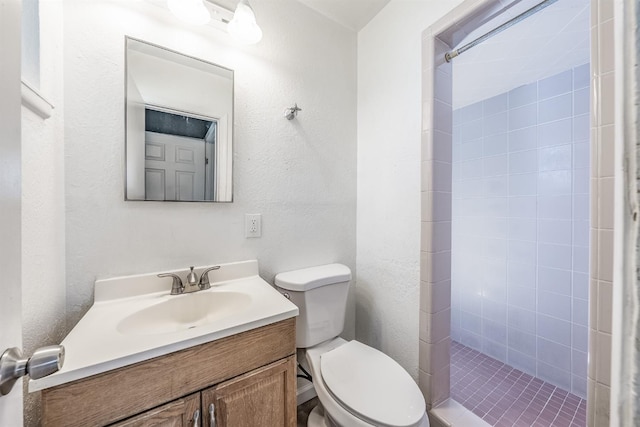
313, 277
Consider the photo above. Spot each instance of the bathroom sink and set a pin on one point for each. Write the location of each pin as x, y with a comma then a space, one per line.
135, 318
184, 312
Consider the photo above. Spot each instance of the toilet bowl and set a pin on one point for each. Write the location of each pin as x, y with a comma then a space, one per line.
360, 386
357, 385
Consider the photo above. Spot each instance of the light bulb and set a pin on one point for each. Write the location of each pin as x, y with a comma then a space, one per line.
243, 26
190, 11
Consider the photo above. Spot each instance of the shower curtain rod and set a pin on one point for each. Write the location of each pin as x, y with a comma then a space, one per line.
455, 52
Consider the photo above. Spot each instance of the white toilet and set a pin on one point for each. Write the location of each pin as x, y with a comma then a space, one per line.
357, 385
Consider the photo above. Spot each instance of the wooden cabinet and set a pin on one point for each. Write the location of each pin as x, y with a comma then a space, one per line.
250, 378
265, 397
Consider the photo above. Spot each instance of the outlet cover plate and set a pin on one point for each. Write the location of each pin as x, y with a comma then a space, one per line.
252, 225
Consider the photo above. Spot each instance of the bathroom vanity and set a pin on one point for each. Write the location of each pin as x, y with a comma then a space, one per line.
238, 366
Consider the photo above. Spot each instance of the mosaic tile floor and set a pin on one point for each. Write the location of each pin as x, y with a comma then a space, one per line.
506, 397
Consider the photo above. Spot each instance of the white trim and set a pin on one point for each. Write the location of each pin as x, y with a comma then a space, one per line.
35, 102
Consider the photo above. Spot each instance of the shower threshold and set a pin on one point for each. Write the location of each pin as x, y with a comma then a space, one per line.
506, 397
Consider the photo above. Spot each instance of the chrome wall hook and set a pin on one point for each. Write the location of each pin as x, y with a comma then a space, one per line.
292, 112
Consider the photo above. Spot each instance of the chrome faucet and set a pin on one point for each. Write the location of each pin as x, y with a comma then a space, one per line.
177, 287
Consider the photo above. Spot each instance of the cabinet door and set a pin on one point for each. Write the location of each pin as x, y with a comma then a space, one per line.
265, 397
179, 413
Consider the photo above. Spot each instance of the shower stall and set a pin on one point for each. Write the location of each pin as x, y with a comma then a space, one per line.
520, 218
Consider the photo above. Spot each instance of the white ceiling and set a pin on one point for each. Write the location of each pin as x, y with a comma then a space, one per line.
549, 42
353, 14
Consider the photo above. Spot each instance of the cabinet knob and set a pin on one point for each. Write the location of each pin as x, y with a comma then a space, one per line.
212, 415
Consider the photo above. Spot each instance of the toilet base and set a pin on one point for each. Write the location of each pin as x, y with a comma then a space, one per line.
316, 417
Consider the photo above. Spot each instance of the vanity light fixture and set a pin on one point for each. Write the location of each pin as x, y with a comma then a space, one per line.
242, 26
192, 12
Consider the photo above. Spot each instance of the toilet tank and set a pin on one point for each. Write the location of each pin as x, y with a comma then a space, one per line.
321, 296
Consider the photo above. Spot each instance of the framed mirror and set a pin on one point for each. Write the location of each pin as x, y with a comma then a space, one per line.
179, 126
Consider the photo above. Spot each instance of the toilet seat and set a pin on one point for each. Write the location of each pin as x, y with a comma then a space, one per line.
371, 385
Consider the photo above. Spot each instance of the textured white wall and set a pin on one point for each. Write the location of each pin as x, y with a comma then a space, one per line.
300, 174
43, 224
388, 218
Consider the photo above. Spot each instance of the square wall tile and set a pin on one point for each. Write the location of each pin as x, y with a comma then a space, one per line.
554, 375
434, 356
525, 184
523, 139
555, 158
555, 85
556, 133
442, 116
554, 280
605, 306
521, 274
603, 361
523, 95
556, 108
497, 123
521, 361
606, 194
495, 350
471, 112
605, 255
522, 320
522, 342
495, 331
523, 162
556, 330
522, 298
555, 256
523, 229
439, 327
496, 104
554, 354
555, 182
554, 305
606, 151
523, 117
495, 144
558, 231
443, 82
435, 297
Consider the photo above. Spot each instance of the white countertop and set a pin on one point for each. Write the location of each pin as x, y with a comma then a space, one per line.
95, 345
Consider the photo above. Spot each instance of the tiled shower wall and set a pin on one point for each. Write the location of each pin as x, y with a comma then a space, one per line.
520, 247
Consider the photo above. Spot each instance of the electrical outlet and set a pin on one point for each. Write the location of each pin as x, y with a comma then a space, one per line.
252, 225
